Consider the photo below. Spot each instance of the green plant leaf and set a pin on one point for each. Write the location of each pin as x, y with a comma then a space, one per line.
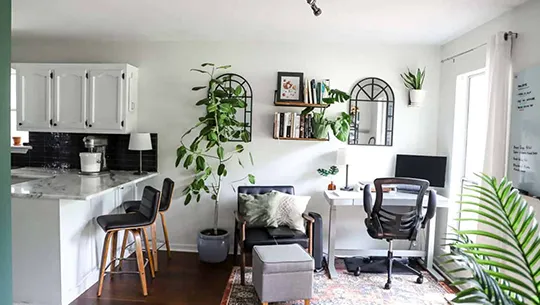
239, 148
188, 199
245, 136
212, 136
220, 152
207, 64
198, 88
251, 179
188, 161
224, 67
221, 169
220, 94
251, 159
204, 101
240, 163
180, 153
200, 71
238, 91
201, 163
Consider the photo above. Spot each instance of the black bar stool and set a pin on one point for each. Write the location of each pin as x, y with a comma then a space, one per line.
136, 224
167, 191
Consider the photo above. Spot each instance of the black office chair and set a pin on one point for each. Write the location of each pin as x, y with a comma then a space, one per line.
384, 223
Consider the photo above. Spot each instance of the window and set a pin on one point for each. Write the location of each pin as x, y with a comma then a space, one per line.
13, 108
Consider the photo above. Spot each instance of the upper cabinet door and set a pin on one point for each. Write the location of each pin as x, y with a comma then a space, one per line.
34, 97
106, 106
70, 94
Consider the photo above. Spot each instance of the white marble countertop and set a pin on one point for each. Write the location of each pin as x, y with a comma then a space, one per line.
68, 184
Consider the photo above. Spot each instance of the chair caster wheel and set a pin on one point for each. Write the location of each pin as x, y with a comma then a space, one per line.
420, 280
387, 286
357, 272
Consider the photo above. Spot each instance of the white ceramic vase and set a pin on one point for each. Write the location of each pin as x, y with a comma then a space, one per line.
417, 97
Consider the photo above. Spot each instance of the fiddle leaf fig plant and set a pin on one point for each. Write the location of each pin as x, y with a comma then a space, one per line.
209, 154
322, 125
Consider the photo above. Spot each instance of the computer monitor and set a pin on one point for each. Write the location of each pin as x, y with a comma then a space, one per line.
430, 168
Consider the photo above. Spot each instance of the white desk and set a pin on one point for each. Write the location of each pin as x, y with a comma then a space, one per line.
342, 198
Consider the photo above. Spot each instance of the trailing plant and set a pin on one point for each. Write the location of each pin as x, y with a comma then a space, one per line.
333, 170
414, 81
505, 268
209, 152
321, 124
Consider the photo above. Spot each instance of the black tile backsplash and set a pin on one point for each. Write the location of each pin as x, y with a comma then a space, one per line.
61, 150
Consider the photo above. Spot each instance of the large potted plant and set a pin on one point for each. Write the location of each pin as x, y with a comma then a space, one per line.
209, 153
322, 125
415, 84
502, 268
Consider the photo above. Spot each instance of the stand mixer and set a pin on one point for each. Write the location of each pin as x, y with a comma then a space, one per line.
96, 144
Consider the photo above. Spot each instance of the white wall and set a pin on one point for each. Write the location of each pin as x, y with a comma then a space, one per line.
167, 107
526, 52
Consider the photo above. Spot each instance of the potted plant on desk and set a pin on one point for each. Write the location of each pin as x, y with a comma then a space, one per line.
322, 125
209, 154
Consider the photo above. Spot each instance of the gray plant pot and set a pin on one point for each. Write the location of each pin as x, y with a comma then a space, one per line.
213, 248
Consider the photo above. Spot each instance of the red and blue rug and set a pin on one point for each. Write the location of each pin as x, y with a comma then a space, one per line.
347, 289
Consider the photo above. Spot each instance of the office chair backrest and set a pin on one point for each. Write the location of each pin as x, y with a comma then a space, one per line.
166, 194
402, 224
149, 207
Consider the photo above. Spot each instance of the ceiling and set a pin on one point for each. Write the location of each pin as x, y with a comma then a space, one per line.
366, 21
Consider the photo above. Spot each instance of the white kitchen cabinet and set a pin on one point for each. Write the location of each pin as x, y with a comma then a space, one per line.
34, 95
83, 98
70, 96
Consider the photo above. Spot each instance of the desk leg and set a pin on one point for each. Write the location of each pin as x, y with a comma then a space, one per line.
332, 273
430, 248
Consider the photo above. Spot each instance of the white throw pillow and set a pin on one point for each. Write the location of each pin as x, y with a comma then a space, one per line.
290, 209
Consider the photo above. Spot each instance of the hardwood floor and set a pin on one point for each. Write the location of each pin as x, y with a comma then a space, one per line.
183, 280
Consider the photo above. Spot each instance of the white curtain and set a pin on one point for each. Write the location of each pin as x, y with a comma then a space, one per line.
499, 78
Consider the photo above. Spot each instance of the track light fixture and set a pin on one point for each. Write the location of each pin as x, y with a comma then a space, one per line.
316, 10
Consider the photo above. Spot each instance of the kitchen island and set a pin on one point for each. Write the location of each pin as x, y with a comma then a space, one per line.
56, 242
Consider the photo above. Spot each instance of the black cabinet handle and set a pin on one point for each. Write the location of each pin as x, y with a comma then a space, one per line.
54, 124
86, 123
50, 122
122, 123
90, 125
20, 124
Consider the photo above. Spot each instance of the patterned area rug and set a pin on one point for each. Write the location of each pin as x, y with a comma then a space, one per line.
366, 289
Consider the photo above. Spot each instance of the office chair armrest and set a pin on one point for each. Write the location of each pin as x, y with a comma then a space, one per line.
308, 218
431, 208
368, 200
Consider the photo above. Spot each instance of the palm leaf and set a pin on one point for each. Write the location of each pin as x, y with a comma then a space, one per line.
510, 252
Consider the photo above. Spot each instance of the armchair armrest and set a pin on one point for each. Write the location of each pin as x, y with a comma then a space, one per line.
240, 226
308, 218
239, 218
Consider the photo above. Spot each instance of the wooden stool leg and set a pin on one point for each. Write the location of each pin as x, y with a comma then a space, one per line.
307, 302
265, 303
103, 262
150, 254
154, 245
166, 234
140, 260
114, 245
123, 250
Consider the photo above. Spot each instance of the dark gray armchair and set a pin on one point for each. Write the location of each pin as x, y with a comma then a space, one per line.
245, 238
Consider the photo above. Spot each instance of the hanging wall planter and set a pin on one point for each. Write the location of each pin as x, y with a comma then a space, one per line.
415, 83
417, 97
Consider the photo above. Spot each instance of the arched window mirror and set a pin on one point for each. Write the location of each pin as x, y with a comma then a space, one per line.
245, 115
372, 113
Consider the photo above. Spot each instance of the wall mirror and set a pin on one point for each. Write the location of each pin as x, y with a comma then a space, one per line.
245, 115
372, 113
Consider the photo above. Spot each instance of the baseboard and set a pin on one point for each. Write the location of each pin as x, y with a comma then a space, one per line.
191, 248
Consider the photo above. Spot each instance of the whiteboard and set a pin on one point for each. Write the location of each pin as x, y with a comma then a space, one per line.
523, 158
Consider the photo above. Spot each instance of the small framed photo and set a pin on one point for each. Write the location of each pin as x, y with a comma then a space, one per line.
290, 86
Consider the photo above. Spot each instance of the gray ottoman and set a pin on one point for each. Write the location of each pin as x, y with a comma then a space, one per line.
282, 273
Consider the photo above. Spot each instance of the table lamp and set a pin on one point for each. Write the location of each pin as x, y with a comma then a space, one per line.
140, 142
345, 157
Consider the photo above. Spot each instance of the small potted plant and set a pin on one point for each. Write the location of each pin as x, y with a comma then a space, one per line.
322, 125
332, 171
415, 84
210, 152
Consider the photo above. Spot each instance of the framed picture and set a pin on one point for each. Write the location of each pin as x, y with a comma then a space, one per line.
290, 86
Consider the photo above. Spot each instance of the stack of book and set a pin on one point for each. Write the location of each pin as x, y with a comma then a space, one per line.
315, 91
293, 125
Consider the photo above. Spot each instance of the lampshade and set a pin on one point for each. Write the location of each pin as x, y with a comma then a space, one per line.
344, 156
140, 141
